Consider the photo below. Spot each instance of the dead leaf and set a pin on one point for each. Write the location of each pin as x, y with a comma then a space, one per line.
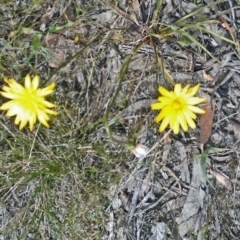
11, 34
46, 15
136, 7
206, 122
225, 25
236, 128
57, 53
221, 179
207, 76
44, 19
224, 181
59, 56
140, 151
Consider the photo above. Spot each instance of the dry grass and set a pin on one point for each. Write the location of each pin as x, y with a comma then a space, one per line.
59, 183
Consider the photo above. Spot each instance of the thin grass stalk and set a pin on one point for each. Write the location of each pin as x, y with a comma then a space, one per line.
198, 43
121, 76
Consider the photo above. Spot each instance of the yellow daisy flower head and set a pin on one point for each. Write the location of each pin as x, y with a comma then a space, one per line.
177, 108
27, 102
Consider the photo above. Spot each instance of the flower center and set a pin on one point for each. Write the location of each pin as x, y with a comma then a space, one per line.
29, 101
177, 104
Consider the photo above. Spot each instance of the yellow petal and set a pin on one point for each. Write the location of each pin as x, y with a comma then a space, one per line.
35, 82
164, 92
17, 120
47, 90
27, 102
164, 123
156, 106
189, 113
196, 109
44, 122
178, 89
14, 86
49, 111
32, 121
185, 89
195, 100
182, 101
27, 82
165, 100
176, 127
48, 104
173, 118
6, 89
160, 105
43, 118
13, 110
165, 112
182, 121
23, 124
189, 120
178, 108
192, 91
8, 95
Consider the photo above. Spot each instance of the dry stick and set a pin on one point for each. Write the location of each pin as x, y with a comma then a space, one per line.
233, 14
133, 205
120, 12
121, 75
156, 203
72, 58
139, 182
234, 185
229, 75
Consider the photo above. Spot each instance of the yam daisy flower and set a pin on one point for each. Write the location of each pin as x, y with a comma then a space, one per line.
177, 108
27, 102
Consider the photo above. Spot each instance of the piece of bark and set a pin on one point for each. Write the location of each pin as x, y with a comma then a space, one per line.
206, 122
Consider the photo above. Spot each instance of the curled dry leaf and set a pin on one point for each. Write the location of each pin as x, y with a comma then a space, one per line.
222, 180
140, 151
207, 76
206, 122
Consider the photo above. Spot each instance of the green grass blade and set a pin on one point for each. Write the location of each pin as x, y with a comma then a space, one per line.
203, 161
156, 12
198, 43
215, 34
121, 76
199, 10
203, 166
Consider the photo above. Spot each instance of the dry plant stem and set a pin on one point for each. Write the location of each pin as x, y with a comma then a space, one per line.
33, 143
155, 145
110, 105
120, 78
233, 14
235, 183
155, 203
7, 129
229, 75
156, 13
137, 189
140, 179
199, 10
72, 58
119, 11
226, 11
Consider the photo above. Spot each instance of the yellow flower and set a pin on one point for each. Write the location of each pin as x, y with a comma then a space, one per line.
177, 108
27, 102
